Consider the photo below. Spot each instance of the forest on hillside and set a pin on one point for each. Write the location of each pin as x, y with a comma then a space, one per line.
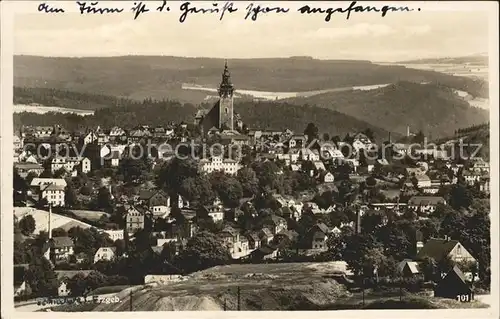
140, 77
433, 108
129, 113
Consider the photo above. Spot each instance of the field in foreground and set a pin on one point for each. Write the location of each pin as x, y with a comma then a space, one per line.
294, 286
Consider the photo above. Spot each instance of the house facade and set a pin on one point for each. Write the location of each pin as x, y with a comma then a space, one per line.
134, 220
319, 235
61, 248
105, 253
425, 204
438, 248
217, 163
54, 194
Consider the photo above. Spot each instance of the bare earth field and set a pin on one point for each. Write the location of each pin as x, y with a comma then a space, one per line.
292, 286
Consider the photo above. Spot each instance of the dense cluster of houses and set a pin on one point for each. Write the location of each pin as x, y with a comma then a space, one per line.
152, 208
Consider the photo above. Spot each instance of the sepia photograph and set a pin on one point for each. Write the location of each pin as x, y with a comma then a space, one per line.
246, 156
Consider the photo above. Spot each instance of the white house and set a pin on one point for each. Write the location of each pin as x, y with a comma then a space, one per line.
471, 177
319, 235
70, 164
24, 169
307, 154
63, 276
114, 235
116, 132
423, 181
105, 253
480, 165
217, 163
43, 131
91, 137
38, 182
54, 194
425, 203
327, 177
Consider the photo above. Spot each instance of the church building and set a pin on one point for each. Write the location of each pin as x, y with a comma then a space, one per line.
221, 117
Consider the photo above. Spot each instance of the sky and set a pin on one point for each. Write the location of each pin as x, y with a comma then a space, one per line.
438, 30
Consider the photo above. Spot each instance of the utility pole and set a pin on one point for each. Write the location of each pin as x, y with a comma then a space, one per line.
401, 289
130, 300
239, 295
363, 291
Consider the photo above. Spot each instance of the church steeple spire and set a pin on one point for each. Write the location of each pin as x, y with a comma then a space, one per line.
226, 87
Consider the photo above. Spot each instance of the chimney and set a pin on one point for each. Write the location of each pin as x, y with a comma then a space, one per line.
390, 141
408, 131
419, 245
50, 221
47, 253
357, 226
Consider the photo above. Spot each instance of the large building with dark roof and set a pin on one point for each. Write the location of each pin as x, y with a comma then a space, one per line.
438, 249
221, 116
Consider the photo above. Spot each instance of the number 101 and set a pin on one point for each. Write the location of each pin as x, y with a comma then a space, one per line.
463, 298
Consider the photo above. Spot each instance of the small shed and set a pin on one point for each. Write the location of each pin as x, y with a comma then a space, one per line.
408, 268
453, 285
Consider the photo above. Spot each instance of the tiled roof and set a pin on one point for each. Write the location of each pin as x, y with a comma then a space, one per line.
425, 200
230, 230
28, 166
145, 194
412, 265
61, 242
68, 274
253, 236
437, 248
265, 233
52, 187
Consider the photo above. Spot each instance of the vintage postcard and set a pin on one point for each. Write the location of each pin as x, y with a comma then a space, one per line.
249, 156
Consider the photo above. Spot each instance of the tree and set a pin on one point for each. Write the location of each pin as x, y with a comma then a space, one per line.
249, 181
266, 174
78, 285
203, 251
133, 170
70, 197
419, 138
168, 252
59, 232
326, 137
429, 268
20, 188
445, 264
95, 280
88, 240
227, 188
312, 132
369, 133
336, 246
120, 247
346, 193
363, 254
46, 174
86, 190
197, 190
396, 243
173, 173
104, 199
460, 197
27, 225
42, 278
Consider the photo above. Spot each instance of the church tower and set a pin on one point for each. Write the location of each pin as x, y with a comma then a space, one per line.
226, 90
